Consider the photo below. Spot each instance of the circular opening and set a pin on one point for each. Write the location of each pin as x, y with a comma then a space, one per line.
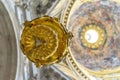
91, 36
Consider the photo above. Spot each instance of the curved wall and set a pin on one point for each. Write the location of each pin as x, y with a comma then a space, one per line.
8, 47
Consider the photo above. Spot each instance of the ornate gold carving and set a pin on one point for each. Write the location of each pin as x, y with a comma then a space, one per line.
44, 41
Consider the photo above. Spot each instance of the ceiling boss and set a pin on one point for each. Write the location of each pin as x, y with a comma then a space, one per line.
44, 40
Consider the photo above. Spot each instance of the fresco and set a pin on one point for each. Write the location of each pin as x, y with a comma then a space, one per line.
102, 17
